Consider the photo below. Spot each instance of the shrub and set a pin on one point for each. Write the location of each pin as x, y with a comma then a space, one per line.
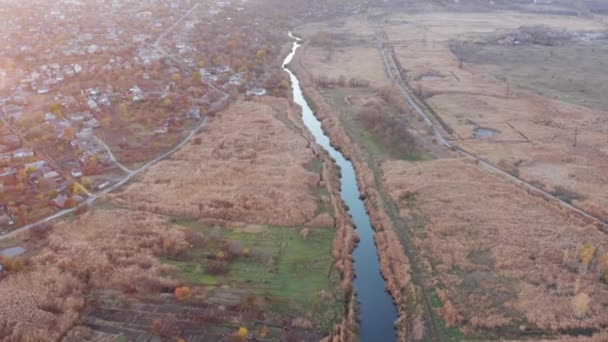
392, 133
304, 233
603, 265
242, 333
217, 267
580, 304
164, 327
12, 264
586, 254
194, 239
183, 293
235, 248
83, 208
40, 231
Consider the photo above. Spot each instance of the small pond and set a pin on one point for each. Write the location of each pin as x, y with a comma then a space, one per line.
481, 132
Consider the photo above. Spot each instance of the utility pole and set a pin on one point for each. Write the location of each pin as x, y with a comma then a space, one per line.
575, 136
507, 90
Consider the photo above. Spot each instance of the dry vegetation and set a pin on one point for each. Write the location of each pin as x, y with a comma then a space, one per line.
103, 249
484, 257
145, 262
535, 133
247, 166
500, 260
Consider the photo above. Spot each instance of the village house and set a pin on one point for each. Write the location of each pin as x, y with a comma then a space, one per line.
256, 92
60, 201
6, 218
23, 153
12, 111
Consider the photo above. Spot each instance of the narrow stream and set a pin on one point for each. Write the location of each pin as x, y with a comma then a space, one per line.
377, 312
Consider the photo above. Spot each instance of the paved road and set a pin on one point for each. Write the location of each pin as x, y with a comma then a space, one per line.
484, 164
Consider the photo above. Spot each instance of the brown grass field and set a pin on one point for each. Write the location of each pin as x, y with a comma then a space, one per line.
536, 133
249, 166
495, 254
483, 258
234, 235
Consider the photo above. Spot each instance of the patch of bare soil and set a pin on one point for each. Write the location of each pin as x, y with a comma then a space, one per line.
248, 165
502, 262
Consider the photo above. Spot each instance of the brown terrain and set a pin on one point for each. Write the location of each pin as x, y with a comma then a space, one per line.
119, 268
247, 166
535, 133
392, 258
467, 252
506, 266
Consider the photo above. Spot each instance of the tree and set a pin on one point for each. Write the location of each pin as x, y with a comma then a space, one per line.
56, 108
68, 133
78, 189
580, 304
183, 293
261, 54
242, 333
91, 167
197, 78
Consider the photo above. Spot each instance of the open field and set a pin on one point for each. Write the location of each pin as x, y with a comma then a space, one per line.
240, 172
535, 134
572, 73
496, 257
482, 258
252, 253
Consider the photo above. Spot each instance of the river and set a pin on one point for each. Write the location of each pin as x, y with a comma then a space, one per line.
377, 312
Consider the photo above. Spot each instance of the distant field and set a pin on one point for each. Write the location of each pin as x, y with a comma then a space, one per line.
573, 73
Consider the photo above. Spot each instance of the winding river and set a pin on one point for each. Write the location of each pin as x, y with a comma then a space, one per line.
377, 312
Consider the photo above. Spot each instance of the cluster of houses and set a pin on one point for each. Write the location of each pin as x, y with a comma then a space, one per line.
21, 167
215, 75
63, 66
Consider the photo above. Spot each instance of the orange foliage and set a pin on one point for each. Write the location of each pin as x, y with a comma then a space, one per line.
183, 293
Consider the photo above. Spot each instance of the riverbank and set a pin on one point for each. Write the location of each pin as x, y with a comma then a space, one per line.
393, 261
199, 264
528, 270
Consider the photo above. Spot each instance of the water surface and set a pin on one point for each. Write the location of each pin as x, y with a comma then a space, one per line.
377, 312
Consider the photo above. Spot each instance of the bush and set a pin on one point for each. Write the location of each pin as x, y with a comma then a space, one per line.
195, 239
586, 254
12, 264
392, 133
235, 248
183, 293
163, 327
580, 304
217, 267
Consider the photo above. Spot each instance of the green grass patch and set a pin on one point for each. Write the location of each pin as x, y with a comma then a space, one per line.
279, 265
315, 165
383, 135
